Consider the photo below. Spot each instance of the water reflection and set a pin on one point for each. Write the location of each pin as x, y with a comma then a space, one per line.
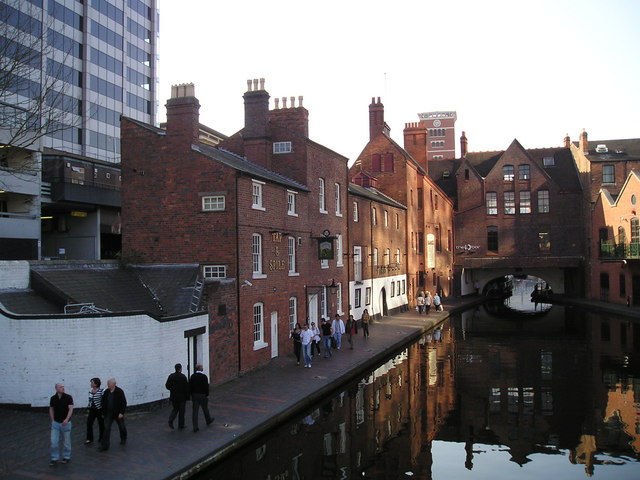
479, 397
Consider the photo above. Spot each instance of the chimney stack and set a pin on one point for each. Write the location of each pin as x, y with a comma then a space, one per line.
463, 145
567, 141
376, 118
584, 143
183, 112
256, 109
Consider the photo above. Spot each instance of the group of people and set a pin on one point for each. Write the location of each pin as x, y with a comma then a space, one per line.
425, 300
109, 405
308, 337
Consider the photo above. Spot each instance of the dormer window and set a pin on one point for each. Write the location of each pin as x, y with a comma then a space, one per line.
548, 161
282, 147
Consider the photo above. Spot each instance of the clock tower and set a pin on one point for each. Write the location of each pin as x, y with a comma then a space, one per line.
441, 135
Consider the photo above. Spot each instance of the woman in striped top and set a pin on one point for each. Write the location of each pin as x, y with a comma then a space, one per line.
95, 410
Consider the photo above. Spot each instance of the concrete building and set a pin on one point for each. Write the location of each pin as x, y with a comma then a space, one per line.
377, 243
429, 236
518, 212
263, 215
89, 63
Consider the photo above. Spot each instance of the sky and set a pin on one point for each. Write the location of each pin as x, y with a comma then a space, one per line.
533, 70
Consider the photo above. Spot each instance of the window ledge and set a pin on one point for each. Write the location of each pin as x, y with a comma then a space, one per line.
258, 207
292, 214
257, 276
338, 214
259, 345
294, 274
323, 211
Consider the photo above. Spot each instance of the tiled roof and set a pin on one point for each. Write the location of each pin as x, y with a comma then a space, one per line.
172, 284
375, 195
243, 165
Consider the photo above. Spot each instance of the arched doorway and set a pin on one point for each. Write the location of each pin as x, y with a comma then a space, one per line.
383, 302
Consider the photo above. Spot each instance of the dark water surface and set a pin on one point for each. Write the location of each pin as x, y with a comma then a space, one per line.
553, 396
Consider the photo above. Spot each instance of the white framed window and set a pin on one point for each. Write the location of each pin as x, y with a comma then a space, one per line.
291, 241
387, 256
509, 203
358, 298
356, 213
393, 289
398, 256
293, 312
281, 147
374, 216
338, 201
339, 299
324, 307
386, 218
525, 201
367, 296
214, 271
213, 203
375, 257
548, 161
543, 201
321, 196
258, 326
291, 203
256, 197
491, 200
339, 253
256, 255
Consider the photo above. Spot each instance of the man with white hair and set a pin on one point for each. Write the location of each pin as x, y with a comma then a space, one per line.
114, 403
60, 411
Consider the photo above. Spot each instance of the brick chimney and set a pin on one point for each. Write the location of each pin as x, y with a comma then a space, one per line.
291, 117
583, 142
256, 123
463, 145
415, 142
183, 112
567, 141
376, 119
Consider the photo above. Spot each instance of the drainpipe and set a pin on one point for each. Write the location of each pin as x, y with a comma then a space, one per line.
371, 256
238, 285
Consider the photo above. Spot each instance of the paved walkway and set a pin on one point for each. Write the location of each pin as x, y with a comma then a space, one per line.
243, 409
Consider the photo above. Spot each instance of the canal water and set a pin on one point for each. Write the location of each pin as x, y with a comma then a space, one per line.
553, 394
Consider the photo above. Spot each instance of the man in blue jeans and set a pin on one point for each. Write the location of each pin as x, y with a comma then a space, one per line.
327, 332
60, 411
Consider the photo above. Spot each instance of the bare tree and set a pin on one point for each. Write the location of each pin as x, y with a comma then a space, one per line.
33, 102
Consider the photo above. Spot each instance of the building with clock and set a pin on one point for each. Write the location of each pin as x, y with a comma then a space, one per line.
433, 138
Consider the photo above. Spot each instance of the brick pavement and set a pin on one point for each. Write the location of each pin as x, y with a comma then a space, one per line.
243, 409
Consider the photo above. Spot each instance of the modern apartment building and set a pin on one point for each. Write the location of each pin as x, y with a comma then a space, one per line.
85, 63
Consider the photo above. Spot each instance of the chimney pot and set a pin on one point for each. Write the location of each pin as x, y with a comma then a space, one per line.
262, 84
284, 102
248, 85
255, 84
300, 100
293, 102
276, 100
378, 99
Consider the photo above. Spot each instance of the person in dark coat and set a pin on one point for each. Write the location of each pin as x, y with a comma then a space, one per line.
178, 385
114, 403
199, 386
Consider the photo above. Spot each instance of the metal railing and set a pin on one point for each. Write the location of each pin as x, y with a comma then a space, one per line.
620, 250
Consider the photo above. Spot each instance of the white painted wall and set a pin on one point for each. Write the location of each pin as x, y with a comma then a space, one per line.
14, 274
138, 351
377, 284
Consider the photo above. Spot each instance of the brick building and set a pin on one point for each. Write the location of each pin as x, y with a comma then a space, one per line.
432, 138
378, 277
255, 213
615, 244
429, 219
518, 212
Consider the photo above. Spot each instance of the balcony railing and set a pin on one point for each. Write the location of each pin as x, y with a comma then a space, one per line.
620, 250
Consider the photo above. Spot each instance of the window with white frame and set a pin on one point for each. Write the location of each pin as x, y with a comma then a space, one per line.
256, 254
387, 256
339, 254
525, 201
367, 296
291, 241
374, 216
356, 213
293, 312
338, 201
258, 325
393, 289
213, 203
510, 203
321, 196
358, 298
543, 201
339, 298
291, 203
398, 256
256, 197
386, 218
324, 307
214, 271
491, 200
375, 257
281, 147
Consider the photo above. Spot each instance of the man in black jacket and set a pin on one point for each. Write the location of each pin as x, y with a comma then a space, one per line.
178, 385
114, 403
199, 386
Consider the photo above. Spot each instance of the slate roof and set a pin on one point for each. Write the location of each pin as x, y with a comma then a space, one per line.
172, 284
618, 150
243, 165
27, 302
375, 195
447, 184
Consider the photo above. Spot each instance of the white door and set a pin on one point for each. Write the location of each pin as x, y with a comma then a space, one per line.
274, 334
313, 308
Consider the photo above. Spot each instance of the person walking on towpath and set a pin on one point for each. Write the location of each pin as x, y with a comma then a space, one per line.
178, 386
95, 411
364, 321
114, 403
352, 329
199, 385
306, 338
60, 411
338, 331
327, 331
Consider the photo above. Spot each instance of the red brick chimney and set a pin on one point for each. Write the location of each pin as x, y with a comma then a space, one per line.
463, 145
291, 117
584, 143
183, 112
256, 123
415, 142
376, 119
567, 141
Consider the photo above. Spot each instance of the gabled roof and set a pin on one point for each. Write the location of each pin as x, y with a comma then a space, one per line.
243, 165
374, 194
147, 126
613, 199
412, 160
